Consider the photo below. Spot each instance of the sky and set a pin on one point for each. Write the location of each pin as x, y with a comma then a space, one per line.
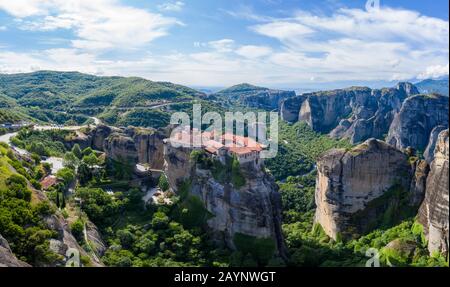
295, 44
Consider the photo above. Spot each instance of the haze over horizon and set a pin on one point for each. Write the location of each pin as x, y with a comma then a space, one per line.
273, 43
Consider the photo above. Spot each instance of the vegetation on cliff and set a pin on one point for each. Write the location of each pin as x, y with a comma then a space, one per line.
21, 216
299, 148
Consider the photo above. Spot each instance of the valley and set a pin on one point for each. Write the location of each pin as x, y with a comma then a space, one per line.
90, 167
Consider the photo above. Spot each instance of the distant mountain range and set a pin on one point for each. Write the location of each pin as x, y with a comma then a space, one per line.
429, 86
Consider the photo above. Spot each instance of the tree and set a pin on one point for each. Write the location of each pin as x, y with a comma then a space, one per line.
91, 160
57, 199
36, 158
163, 183
76, 150
47, 167
66, 175
17, 187
77, 228
71, 161
38, 148
87, 151
160, 220
84, 173
63, 200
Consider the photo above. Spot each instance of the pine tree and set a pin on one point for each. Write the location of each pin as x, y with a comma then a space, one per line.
63, 202
77, 151
57, 199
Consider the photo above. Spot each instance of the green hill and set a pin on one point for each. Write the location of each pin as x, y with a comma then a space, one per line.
48, 89
72, 97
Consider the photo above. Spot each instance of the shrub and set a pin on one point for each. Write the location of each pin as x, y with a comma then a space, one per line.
77, 228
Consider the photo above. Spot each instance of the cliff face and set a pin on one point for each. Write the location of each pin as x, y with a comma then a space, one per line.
355, 113
434, 211
149, 146
418, 116
7, 258
360, 189
253, 209
65, 240
255, 97
133, 145
268, 99
429, 151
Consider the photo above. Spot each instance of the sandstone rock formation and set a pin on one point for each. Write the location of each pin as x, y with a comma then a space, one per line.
434, 211
7, 257
253, 209
355, 113
418, 182
418, 116
131, 145
252, 96
360, 189
429, 151
66, 241
121, 148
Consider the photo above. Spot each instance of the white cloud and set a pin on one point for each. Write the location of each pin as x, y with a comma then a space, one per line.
254, 52
24, 8
97, 23
222, 46
283, 30
351, 45
355, 44
435, 72
171, 6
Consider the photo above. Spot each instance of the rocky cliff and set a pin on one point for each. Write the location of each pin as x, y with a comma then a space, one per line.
65, 241
434, 211
132, 145
355, 113
418, 116
7, 257
253, 209
362, 188
429, 151
252, 96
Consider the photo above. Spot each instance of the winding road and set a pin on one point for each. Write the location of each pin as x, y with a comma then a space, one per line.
56, 162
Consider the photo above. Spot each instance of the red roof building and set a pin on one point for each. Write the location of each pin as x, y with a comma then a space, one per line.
48, 182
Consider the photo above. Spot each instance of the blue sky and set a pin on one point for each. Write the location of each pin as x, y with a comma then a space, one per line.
276, 43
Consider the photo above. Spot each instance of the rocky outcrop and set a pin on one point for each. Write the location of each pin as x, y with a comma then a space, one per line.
355, 113
149, 146
418, 116
434, 211
7, 257
121, 148
429, 151
99, 134
131, 145
253, 209
418, 183
95, 239
360, 189
254, 97
290, 108
65, 241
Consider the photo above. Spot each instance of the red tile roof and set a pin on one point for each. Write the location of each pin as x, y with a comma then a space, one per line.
48, 182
